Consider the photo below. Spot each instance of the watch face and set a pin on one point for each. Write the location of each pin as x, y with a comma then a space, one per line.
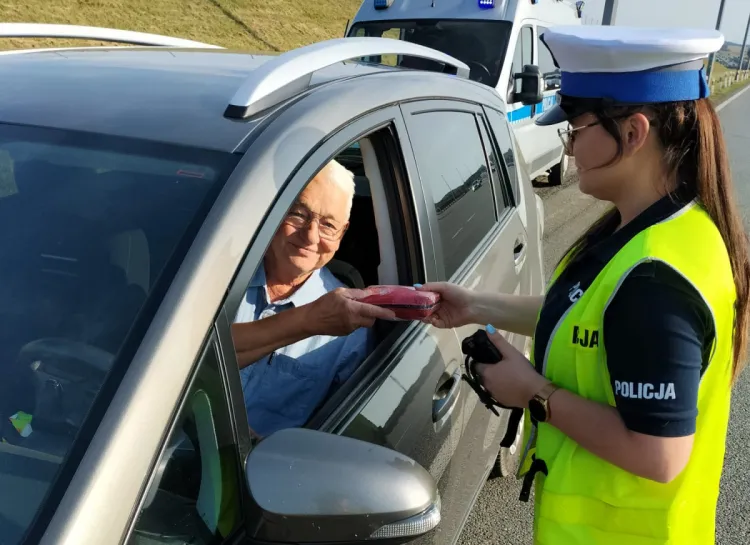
536, 408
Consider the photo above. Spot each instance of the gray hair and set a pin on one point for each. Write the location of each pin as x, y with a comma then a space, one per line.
338, 174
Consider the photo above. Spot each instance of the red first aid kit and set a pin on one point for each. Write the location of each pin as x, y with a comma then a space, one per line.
406, 302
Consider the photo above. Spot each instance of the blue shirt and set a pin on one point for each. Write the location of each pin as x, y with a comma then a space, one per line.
283, 389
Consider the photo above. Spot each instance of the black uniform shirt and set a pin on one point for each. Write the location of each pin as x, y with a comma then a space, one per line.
658, 331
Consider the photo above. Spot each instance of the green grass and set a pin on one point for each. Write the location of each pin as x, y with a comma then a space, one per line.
250, 25
720, 95
719, 71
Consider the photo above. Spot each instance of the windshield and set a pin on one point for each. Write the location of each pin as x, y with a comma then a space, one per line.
90, 230
479, 44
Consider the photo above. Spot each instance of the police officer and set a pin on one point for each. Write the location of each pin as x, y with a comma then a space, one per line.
643, 328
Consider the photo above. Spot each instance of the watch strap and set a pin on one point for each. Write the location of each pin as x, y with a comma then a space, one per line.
540, 400
546, 391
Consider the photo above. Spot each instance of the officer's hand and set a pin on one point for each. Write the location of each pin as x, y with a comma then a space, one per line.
513, 381
337, 313
456, 305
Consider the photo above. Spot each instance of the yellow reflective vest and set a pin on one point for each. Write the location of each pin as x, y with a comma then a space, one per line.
584, 500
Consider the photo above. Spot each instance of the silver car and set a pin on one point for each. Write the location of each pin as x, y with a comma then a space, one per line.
139, 190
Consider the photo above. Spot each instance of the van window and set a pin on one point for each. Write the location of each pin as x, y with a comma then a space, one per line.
522, 55
479, 44
550, 72
451, 161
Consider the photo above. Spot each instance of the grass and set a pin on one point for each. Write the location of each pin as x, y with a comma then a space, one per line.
250, 25
720, 95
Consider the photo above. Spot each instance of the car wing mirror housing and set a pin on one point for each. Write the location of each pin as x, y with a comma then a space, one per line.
531, 85
308, 486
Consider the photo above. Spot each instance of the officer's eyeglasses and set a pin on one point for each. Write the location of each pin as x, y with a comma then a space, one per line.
300, 217
567, 136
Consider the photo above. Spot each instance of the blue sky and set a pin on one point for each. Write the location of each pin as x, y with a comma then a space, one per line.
684, 13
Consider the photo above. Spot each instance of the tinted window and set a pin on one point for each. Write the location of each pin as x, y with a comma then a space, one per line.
451, 162
501, 130
501, 189
547, 66
87, 227
480, 44
195, 495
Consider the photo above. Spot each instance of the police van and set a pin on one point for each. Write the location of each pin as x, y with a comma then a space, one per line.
499, 41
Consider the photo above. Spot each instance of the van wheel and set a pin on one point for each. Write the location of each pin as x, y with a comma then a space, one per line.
508, 459
557, 172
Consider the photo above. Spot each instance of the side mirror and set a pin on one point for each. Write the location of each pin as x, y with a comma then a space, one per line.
310, 486
531, 85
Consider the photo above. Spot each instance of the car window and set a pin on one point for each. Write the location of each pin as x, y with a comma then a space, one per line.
502, 190
503, 140
293, 385
451, 162
550, 72
522, 55
194, 497
89, 228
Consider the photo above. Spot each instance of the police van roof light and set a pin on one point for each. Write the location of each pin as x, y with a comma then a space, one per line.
534, 1
383, 4
486, 4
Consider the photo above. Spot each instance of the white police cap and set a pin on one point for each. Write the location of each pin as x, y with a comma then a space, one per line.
627, 65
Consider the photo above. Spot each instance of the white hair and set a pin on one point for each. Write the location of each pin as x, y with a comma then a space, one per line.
338, 174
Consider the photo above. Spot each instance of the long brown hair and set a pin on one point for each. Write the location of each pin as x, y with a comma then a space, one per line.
694, 151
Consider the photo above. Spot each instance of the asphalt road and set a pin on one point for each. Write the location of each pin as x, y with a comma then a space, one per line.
498, 517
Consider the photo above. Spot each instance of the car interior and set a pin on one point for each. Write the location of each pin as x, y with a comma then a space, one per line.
83, 242
84, 255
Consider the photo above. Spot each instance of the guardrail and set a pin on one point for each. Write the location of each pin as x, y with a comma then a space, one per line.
729, 79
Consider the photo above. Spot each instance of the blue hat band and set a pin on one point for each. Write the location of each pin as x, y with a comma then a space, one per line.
637, 87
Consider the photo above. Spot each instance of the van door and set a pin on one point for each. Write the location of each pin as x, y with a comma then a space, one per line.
520, 117
551, 77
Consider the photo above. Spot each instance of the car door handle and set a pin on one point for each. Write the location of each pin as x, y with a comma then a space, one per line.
446, 396
519, 254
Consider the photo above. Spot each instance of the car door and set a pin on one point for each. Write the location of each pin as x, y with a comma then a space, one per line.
407, 394
480, 242
521, 201
411, 397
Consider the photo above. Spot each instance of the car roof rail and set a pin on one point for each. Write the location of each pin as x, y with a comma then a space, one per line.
289, 73
47, 30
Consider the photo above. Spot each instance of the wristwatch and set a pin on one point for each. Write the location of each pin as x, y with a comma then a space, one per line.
539, 404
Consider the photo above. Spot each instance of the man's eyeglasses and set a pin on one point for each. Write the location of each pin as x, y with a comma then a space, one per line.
567, 136
300, 217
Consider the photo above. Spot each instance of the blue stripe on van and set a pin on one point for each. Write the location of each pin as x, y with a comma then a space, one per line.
524, 112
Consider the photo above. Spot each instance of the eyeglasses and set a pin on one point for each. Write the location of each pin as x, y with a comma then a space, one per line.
300, 217
567, 136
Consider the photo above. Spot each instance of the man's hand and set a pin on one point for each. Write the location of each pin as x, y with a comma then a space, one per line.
338, 313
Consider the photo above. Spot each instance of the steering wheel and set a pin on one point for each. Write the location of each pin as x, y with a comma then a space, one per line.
59, 378
479, 72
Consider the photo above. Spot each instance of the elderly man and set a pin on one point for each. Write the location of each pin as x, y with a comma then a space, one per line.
298, 331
